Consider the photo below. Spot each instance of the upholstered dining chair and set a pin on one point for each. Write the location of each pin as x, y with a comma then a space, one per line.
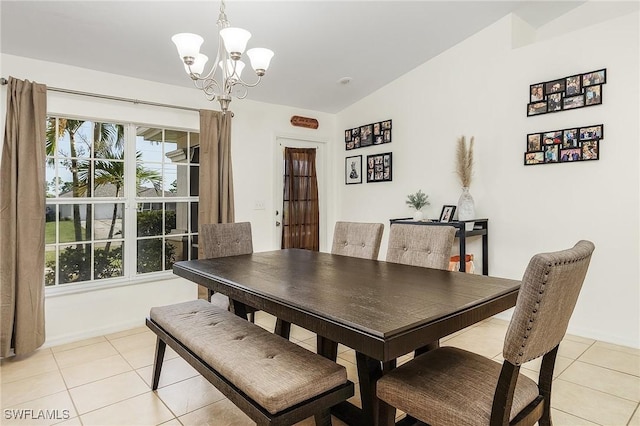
222, 240
451, 386
357, 239
419, 245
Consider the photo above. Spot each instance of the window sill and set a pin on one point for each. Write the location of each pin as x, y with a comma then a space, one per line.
66, 289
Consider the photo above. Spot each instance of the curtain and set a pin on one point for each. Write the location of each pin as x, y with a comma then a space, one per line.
216, 176
301, 213
22, 219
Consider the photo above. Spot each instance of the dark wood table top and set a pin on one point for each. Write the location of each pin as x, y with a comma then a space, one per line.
383, 310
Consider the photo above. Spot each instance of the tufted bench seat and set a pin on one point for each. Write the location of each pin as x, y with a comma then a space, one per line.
274, 381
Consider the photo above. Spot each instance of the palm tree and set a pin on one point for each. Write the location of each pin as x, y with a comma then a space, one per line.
107, 171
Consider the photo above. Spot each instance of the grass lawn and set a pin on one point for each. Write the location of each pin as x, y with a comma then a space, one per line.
67, 232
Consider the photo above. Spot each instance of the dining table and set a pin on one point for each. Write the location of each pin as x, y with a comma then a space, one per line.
379, 309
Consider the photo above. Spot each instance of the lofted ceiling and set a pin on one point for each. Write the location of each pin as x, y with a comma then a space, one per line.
316, 43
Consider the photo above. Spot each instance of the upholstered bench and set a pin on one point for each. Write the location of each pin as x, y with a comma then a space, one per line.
272, 380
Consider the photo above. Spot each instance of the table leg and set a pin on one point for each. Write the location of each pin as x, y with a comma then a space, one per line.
327, 348
463, 248
283, 328
369, 371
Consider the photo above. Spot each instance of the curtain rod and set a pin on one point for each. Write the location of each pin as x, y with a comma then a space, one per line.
4, 81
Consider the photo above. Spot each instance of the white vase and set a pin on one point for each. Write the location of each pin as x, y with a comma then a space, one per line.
466, 208
418, 216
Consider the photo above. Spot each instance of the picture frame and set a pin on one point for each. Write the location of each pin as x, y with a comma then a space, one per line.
571, 92
379, 167
447, 213
377, 133
564, 146
353, 170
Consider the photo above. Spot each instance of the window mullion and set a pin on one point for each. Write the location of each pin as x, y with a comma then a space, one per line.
130, 250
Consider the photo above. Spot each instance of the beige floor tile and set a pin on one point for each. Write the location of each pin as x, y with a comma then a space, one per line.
78, 344
349, 355
309, 344
578, 339
613, 359
562, 364
143, 357
107, 391
74, 421
142, 410
560, 418
172, 422
88, 372
135, 341
595, 406
18, 368
221, 413
573, 350
84, 354
352, 370
173, 371
355, 399
618, 348
603, 379
301, 334
311, 422
489, 330
48, 410
32, 388
129, 332
189, 395
489, 347
635, 420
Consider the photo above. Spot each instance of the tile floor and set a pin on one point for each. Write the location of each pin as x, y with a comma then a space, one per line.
105, 381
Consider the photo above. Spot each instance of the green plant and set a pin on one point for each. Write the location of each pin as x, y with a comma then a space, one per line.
417, 200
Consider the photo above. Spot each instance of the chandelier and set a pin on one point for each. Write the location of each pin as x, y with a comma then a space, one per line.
224, 80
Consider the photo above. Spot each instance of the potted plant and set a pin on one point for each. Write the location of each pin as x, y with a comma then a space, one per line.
417, 201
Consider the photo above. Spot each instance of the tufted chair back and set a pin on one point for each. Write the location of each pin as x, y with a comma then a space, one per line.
357, 239
546, 300
418, 245
226, 239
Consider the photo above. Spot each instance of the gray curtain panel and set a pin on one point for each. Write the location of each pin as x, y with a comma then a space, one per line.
216, 175
22, 219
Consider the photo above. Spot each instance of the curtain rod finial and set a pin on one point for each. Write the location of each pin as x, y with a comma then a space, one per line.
3, 81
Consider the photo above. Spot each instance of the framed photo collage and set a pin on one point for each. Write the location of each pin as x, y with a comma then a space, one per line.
576, 91
378, 167
563, 146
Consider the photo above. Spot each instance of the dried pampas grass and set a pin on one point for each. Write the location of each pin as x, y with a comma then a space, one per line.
464, 157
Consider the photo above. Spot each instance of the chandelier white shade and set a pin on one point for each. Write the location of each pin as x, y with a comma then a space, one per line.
224, 80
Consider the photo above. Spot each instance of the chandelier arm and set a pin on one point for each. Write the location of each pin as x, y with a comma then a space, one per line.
248, 85
241, 92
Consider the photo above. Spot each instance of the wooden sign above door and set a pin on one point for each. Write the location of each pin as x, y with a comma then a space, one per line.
309, 123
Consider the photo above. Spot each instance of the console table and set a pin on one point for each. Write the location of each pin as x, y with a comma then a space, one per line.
480, 227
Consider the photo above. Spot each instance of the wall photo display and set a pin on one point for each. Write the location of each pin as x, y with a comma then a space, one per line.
353, 170
379, 168
566, 93
367, 135
564, 146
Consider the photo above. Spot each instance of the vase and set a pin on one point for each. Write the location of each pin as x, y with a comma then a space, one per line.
466, 208
418, 216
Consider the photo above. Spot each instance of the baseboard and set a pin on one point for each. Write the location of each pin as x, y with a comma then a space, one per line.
88, 334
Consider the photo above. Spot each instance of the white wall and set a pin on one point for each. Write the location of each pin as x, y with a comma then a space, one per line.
255, 126
480, 87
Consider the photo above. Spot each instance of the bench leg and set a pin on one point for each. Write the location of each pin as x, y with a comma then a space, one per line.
323, 418
283, 328
157, 363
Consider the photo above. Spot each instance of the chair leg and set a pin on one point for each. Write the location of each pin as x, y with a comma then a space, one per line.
323, 418
283, 328
157, 363
386, 414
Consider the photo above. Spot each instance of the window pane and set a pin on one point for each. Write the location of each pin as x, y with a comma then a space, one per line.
149, 255
108, 260
109, 141
194, 181
72, 224
109, 178
149, 144
50, 224
194, 217
50, 267
177, 218
149, 222
109, 221
75, 263
149, 178
176, 180
175, 146
178, 249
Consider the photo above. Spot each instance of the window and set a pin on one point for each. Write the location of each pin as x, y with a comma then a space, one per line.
122, 200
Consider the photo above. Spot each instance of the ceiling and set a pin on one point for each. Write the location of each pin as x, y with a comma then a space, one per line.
316, 43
